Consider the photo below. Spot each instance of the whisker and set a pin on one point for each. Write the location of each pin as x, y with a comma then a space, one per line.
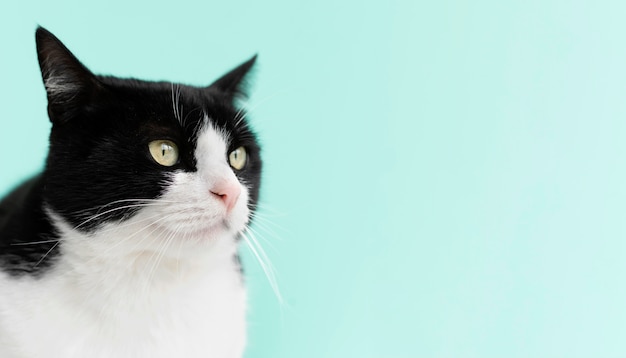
261, 257
185, 124
160, 253
98, 208
45, 255
262, 238
102, 254
180, 246
35, 242
267, 208
119, 226
96, 216
247, 107
175, 99
129, 237
259, 220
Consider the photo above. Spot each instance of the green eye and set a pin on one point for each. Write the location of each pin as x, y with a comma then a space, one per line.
237, 158
164, 152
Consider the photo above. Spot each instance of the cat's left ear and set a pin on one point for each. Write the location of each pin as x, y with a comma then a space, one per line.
69, 84
233, 83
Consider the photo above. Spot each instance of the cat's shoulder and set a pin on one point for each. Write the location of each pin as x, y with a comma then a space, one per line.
19, 197
26, 233
23, 198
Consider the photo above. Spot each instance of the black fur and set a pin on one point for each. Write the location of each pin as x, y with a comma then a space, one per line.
22, 224
101, 127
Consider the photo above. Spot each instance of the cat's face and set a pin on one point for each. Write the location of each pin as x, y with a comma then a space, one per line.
177, 160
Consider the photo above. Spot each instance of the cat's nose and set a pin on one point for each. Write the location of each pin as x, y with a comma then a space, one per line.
228, 191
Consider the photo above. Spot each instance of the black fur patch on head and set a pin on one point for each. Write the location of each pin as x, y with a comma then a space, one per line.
99, 159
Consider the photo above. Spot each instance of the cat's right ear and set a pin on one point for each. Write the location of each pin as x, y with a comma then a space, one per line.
69, 84
232, 84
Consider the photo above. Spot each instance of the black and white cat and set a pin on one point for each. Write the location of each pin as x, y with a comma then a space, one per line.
126, 244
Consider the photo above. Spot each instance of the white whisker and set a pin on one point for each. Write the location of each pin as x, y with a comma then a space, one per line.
160, 253
263, 260
268, 224
247, 107
35, 242
100, 214
268, 242
46, 254
175, 100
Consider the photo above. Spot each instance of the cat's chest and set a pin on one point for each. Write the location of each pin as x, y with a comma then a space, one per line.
168, 310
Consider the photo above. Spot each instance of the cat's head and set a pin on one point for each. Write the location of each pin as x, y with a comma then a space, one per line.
180, 161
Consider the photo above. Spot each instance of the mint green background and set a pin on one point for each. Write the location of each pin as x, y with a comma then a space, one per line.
444, 178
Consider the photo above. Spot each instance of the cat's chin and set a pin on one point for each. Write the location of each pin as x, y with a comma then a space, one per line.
222, 230
202, 234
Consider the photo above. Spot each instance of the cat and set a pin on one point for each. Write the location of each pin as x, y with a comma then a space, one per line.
126, 244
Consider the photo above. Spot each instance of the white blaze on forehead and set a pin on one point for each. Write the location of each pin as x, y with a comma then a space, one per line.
212, 197
211, 151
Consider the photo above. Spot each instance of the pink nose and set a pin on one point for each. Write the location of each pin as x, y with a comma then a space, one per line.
228, 192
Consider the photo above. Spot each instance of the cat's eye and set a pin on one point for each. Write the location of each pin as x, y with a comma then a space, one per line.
237, 158
164, 152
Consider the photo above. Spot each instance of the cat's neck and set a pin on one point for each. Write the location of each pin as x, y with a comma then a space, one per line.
129, 257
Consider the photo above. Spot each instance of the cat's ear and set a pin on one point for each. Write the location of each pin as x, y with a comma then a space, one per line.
68, 83
233, 83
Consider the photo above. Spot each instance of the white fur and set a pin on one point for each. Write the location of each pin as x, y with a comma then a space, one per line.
60, 87
162, 284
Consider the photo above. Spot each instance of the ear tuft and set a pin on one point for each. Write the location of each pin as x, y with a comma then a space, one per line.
68, 83
233, 83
